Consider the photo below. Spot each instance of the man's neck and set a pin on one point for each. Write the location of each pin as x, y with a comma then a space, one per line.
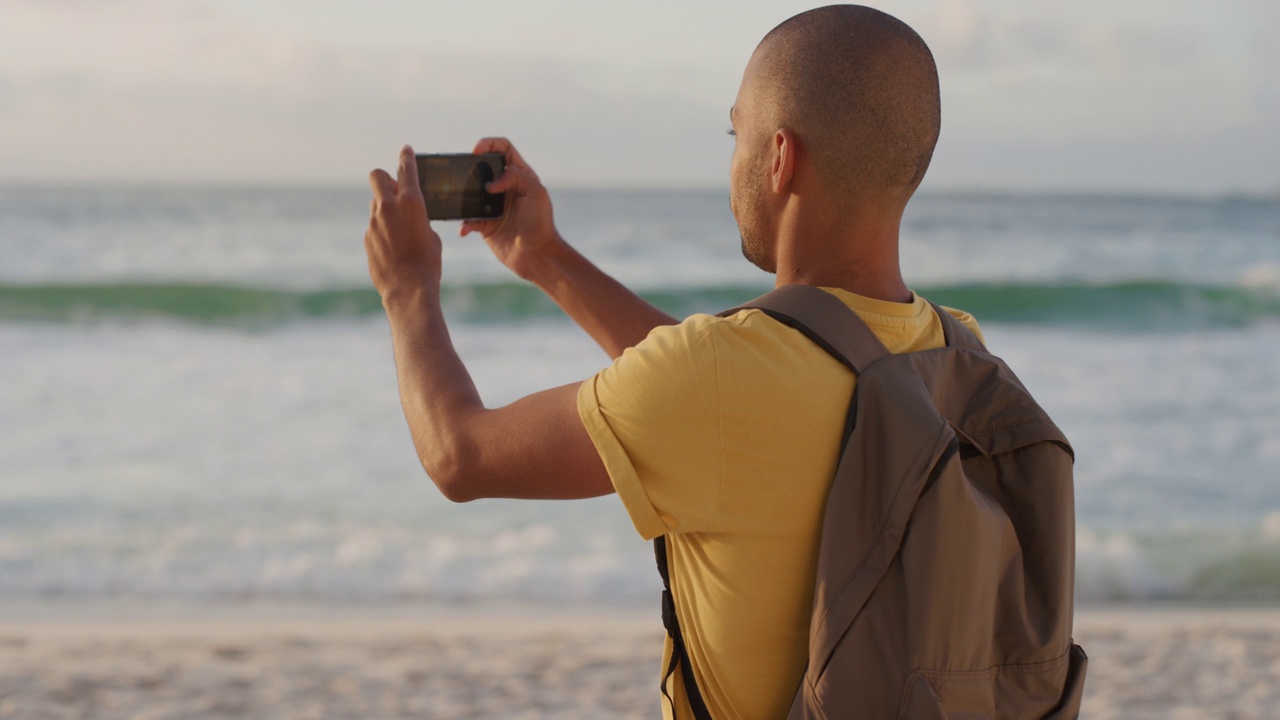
878, 286
860, 258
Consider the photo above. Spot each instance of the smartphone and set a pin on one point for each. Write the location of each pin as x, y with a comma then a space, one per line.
453, 185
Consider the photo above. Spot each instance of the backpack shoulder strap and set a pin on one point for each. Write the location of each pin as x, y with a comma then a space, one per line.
824, 319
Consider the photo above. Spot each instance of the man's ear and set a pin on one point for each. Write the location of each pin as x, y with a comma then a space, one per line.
784, 149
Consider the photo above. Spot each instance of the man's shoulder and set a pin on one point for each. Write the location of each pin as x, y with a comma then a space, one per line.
752, 334
901, 326
689, 335
669, 354
704, 331
743, 347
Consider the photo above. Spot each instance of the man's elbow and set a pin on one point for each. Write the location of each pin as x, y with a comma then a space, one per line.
454, 474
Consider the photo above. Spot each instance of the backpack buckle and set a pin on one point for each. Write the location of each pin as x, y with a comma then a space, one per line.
668, 612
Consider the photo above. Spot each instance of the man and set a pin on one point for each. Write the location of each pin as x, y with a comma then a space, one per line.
720, 433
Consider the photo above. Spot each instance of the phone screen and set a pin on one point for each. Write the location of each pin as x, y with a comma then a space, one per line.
453, 185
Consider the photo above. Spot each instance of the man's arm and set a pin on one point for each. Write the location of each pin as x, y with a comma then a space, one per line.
525, 239
535, 447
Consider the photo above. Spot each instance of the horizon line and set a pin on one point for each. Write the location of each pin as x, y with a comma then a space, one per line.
1255, 194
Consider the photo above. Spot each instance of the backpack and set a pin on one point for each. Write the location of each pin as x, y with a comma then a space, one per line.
946, 566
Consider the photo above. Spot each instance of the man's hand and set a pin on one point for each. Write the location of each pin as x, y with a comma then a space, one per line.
403, 250
526, 234
526, 241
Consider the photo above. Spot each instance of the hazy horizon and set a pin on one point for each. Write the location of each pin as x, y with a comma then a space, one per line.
138, 184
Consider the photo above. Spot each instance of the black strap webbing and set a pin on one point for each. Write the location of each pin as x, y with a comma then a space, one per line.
679, 655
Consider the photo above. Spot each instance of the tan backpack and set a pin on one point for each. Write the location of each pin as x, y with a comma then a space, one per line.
946, 568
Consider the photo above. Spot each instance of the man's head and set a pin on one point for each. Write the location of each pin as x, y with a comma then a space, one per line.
855, 92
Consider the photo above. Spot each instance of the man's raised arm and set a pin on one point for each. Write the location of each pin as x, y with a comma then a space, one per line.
526, 241
535, 447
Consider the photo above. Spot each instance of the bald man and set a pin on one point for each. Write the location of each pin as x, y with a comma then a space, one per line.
721, 434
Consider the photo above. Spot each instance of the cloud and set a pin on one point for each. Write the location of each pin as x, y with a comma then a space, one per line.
956, 30
1264, 59
212, 99
9, 93
1139, 48
268, 91
1211, 164
1040, 72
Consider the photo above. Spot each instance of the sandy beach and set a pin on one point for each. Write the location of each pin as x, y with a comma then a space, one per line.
138, 663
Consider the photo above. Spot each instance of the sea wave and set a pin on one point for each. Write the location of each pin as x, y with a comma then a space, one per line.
1202, 566
539, 564
1137, 305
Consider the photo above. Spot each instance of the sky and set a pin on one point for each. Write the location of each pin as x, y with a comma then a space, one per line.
1080, 96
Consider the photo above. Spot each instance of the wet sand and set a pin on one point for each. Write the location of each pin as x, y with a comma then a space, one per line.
133, 663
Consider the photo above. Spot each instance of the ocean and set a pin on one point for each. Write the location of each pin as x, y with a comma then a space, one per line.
199, 402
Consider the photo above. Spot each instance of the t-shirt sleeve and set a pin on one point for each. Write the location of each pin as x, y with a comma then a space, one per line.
968, 321
654, 418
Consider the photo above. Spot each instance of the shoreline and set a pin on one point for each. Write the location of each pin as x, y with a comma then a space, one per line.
277, 660
141, 611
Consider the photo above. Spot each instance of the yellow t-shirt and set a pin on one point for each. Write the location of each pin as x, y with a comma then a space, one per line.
723, 435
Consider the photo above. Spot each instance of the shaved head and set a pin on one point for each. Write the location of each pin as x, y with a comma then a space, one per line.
859, 89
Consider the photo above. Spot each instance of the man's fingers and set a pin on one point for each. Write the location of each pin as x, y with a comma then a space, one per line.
491, 144
384, 188
513, 177
408, 174
484, 227
500, 145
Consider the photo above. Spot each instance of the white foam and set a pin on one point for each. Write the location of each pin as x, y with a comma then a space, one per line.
1261, 276
1271, 526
